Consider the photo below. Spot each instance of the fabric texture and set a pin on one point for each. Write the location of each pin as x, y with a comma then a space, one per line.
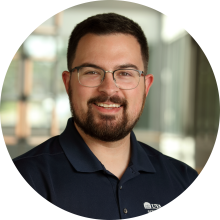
65, 172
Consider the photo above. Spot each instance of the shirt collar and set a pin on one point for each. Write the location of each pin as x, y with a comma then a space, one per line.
77, 151
139, 158
83, 160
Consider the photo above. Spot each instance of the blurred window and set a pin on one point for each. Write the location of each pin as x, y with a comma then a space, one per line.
10, 86
43, 73
8, 114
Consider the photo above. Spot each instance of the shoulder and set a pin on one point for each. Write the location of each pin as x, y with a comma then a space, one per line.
49, 147
36, 165
173, 167
39, 157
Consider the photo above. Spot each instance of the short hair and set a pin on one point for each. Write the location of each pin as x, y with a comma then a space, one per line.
105, 24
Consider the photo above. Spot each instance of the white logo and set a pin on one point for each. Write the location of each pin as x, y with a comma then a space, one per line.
147, 205
156, 206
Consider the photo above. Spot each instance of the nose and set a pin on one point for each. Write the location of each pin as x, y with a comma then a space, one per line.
108, 85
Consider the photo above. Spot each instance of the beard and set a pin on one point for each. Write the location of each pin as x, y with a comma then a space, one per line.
111, 128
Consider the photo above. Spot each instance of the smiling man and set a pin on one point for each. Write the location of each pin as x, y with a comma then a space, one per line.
96, 168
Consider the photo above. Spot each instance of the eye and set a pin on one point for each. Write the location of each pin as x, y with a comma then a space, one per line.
92, 72
124, 74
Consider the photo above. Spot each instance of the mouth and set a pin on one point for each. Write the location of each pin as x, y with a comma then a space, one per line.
107, 106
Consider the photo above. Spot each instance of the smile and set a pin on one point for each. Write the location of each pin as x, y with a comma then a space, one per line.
108, 105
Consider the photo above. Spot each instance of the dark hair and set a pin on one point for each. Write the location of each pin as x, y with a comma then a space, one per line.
104, 24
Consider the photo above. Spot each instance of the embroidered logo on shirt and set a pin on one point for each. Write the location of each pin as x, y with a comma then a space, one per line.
151, 207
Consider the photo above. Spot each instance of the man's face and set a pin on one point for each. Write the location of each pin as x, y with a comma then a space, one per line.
108, 52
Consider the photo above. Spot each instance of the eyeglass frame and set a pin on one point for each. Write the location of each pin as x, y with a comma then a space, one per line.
106, 71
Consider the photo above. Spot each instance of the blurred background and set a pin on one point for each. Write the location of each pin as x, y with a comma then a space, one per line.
181, 114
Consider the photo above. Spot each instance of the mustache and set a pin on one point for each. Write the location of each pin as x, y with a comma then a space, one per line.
113, 99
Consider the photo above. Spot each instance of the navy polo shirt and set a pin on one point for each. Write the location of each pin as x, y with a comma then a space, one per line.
65, 172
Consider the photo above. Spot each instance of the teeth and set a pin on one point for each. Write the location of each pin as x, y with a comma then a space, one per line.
108, 106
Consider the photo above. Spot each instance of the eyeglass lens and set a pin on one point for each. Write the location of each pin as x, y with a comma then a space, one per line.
93, 77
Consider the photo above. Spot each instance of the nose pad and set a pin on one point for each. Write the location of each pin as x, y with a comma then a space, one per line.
109, 85
112, 77
115, 81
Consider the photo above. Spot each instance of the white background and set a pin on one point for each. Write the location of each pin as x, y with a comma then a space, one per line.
19, 18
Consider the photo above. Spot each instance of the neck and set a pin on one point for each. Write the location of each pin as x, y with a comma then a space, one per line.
115, 156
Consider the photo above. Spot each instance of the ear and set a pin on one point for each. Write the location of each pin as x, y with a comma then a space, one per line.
66, 79
148, 82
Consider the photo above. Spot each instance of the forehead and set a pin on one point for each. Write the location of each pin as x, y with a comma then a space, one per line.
108, 51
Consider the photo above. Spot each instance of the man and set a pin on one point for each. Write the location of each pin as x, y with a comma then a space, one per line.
96, 168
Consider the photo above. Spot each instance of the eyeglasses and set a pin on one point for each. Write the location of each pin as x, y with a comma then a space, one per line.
93, 77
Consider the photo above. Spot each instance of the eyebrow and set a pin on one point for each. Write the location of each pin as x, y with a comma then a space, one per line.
127, 65
123, 66
90, 65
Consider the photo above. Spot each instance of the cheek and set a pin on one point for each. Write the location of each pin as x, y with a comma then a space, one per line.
80, 97
135, 103
77, 95
138, 106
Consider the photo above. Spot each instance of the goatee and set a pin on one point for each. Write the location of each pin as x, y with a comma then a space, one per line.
111, 128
